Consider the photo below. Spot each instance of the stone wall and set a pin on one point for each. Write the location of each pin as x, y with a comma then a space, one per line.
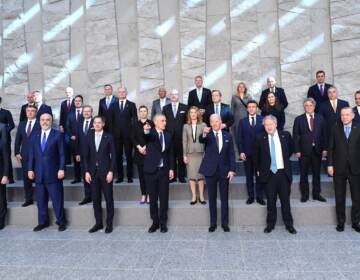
143, 44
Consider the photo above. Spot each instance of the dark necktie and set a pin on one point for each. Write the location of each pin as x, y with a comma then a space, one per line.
28, 130
121, 106
217, 139
311, 122
77, 114
86, 127
321, 90
68, 105
252, 121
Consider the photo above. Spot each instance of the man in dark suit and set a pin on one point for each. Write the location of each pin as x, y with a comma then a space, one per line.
277, 91
4, 173
123, 116
218, 167
330, 109
42, 108
99, 163
344, 166
105, 105
7, 119
319, 91
84, 127
175, 114
72, 124
310, 143
272, 153
199, 96
26, 130
357, 107
30, 98
248, 129
219, 108
158, 169
46, 165
158, 104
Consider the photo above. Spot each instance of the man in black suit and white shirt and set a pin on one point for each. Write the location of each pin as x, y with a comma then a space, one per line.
277, 91
30, 98
105, 104
158, 104
199, 96
319, 91
175, 114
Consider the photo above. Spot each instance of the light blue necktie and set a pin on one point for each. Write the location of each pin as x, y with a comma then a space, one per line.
43, 142
174, 111
273, 166
217, 109
347, 131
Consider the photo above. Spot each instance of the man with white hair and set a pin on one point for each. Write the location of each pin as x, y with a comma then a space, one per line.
42, 108
175, 114
277, 91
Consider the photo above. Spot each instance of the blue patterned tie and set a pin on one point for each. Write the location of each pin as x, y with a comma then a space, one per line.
43, 142
347, 131
273, 166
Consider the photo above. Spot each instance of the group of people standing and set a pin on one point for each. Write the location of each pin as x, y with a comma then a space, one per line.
196, 141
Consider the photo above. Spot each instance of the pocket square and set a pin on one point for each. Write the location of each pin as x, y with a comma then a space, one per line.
226, 140
182, 112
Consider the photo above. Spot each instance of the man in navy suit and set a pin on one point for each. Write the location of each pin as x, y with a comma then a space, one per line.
330, 109
26, 130
248, 129
277, 91
199, 96
272, 153
310, 143
218, 167
105, 105
46, 165
356, 109
84, 127
221, 109
99, 163
72, 123
42, 108
4, 173
30, 98
123, 116
319, 91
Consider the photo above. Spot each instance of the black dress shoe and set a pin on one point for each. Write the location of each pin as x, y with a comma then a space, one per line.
130, 180
225, 228
268, 229
340, 227
182, 180
95, 228
11, 181
319, 198
2, 226
85, 201
108, 229
27, 203
250, 200
172, 180
193, 202
75, 181
291, 229
40, 227
356, 227
260, 201
203, 202
119, 181
304, 199
163, 228
153, 228
212, 228
62, 228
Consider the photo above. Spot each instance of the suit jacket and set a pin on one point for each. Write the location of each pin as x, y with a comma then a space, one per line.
357, 116
81, 136
47, 163
331, 117
23, 112
262, 157
156, 108
304, 137
4, 152
101, 161
279, 93
22, 140
205, 101
191, 144
42, 110
7, 119
72, 129
122, 123
175, 124
139, 139
246, 135
105, 112
64, 112
213, 160
154, 152
315, 93
342, 152
225, 114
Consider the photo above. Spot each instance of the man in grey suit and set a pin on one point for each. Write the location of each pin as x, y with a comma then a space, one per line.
158, 104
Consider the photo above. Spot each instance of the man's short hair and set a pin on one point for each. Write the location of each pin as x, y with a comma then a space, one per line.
158, 115
99, 117
216, 90
88, 106
79, 96
108, 85
31, 107
269, 117
143, 107
252, 102
320, 72
310, 99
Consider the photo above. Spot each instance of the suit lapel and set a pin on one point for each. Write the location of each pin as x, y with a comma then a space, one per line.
283, 144
266, 145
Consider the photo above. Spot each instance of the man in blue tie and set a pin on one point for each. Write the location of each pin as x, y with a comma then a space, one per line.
46, 165
344, 166
273, 149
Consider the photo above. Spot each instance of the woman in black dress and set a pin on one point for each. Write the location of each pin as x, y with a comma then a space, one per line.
273, 107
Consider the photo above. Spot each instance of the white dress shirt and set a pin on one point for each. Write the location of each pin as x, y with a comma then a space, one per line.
176, 105
278, 150
220, 136
98, 136
193, 129
358, 109
250, 120
162, 102
123, 101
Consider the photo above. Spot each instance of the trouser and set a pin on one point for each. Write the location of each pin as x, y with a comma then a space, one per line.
250, 172
87, 187
28, 184
3, 204
142, 179
56, 193
306, 161
98, 186
278, 185
157, 184
120, 144
179, 165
